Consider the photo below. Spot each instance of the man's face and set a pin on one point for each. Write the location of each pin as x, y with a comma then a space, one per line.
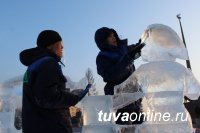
57, 48
111, 40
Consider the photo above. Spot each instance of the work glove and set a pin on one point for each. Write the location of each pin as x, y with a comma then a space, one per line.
135, 50
84, 92
77, 91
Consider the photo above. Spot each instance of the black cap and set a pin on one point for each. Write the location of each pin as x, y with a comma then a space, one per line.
47, 38
102, 34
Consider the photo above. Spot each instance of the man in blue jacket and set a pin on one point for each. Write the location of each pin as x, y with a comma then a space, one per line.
115, 61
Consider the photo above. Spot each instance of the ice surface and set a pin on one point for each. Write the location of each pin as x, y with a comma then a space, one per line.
7, 110
109, 129
100, 129
123, 99
9, 130
92, 105
162, 43
7, 103
163, 128
127, 93
6, 119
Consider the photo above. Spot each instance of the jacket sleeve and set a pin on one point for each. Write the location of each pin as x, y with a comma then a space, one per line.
47, 91
134, 51
113, 73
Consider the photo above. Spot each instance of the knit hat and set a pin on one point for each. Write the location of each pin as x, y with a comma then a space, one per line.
102, 34
47, 38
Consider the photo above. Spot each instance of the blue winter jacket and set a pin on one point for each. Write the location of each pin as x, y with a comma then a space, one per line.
114, 65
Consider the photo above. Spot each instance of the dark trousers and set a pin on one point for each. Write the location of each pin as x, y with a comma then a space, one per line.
134, 107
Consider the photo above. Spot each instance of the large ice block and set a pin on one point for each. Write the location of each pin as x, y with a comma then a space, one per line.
123, 99
100, 129
92, 105
7, 109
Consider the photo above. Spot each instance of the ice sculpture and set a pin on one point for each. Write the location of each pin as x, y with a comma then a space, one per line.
163, 81
92, 105
7, 110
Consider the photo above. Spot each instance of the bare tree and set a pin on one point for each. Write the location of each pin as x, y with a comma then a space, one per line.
90, 79
89, 76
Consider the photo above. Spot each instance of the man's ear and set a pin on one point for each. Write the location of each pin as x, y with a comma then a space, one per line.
50, 47
115, 34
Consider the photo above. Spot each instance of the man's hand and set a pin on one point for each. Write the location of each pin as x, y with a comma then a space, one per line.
135, 50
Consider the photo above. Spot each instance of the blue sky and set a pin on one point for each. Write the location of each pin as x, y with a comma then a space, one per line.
77, 21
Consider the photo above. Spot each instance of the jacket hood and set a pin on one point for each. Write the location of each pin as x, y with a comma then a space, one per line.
101, 36
28, 56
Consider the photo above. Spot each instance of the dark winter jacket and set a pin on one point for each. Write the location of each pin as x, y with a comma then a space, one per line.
46, 101
113, 63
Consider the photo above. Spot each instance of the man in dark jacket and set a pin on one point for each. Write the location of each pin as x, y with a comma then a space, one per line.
115, 61
46, 100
